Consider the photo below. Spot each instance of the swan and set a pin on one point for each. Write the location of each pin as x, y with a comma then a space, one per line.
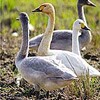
65, 36
71, 60
45, 72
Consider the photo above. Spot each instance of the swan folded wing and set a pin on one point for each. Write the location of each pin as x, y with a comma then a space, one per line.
34, 42
71, 60
57, 35
61, 34
62, 31
47, 68
76, 63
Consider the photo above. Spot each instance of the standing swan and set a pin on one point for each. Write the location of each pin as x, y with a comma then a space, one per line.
69, 59
45, 72
62, 39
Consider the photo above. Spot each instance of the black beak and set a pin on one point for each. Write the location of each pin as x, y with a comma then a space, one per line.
37, 10
86, 28
91, 3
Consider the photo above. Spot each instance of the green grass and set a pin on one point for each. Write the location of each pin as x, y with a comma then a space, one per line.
66, 14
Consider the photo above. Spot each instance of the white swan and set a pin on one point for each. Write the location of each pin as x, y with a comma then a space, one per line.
45, 72
69, 59
62, 39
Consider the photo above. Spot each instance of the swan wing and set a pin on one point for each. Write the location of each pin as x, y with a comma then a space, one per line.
75, 63
48, 67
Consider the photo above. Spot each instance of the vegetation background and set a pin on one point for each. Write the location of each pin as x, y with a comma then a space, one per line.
66, 14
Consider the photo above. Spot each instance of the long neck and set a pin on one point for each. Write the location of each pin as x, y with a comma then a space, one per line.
86, 36
23, 52
44, 46
81, 13
75, 42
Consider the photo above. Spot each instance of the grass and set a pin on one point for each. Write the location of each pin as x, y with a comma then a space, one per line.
66, 14
86, 88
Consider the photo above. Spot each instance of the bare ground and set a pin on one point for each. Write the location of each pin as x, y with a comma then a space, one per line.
9, 90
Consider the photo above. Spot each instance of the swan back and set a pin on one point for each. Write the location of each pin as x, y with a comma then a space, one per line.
75, 62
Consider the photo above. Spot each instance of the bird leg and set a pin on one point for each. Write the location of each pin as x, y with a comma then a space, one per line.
47, 94
37, 91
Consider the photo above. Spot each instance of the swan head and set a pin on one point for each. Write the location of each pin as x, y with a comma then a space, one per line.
86, 2
23, 16
45, 8
80, 24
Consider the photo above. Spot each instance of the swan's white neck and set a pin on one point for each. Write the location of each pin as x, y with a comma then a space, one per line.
75, 42
44, 46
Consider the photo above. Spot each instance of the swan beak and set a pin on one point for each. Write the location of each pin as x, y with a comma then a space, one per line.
37, 10
85, 27
91, 3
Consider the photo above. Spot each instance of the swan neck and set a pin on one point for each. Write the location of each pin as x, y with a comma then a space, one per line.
86, 35
75, 42
23, 52
81, 13
44, 46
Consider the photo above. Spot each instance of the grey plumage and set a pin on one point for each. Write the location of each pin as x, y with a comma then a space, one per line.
45, 72
62, 39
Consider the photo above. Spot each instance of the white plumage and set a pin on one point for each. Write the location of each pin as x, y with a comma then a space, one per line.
71, 60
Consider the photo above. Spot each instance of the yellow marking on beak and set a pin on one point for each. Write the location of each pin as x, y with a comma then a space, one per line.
82, 25
41, 8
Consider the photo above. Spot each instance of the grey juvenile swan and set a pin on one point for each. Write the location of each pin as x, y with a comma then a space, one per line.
62, 39
71, 60
45, 72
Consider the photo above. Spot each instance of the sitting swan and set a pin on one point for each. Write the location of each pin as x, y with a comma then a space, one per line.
62, 39
46, 72
69, 59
